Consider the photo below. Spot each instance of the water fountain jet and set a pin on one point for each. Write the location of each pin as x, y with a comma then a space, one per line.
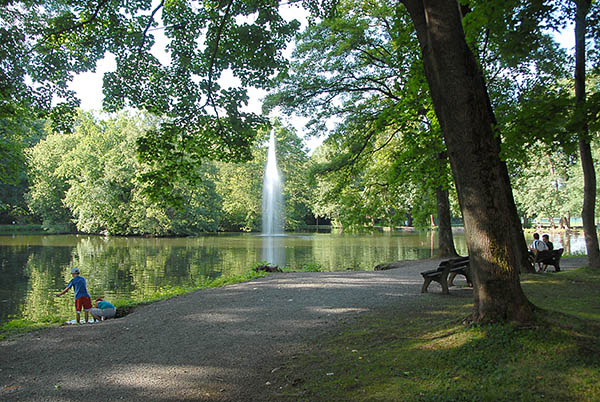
272, 209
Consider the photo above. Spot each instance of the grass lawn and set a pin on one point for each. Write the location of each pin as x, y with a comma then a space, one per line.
423, 352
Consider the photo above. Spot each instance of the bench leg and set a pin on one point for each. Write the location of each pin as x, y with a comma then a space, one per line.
443, 281
425, 285
451, 277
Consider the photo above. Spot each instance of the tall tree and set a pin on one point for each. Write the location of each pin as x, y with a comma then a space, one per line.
492, 228
585, 151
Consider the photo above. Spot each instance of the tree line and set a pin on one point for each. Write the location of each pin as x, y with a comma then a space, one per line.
90, 181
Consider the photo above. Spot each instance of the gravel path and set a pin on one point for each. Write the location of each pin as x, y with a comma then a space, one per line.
211, 345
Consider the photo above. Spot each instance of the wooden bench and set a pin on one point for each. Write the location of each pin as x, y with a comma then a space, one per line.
547, 257
446, 272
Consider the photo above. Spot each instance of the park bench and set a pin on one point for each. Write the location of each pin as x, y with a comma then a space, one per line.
547, 257
446, 272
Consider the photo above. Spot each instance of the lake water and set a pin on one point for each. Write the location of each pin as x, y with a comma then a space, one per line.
33, 268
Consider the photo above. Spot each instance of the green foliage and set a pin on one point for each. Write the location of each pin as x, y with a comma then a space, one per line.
17, 134
48, 185
362, 67
205, 119
43, 44
93, 178
549, 182
515, 36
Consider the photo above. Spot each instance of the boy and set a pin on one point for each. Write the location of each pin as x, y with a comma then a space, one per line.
82, 297
103, 310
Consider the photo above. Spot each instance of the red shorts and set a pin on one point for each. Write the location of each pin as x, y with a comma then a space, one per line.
84, 302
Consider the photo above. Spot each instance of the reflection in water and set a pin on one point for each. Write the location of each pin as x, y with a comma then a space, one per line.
32, 268
273, 249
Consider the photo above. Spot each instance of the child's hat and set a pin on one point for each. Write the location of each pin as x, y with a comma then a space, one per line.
74, 270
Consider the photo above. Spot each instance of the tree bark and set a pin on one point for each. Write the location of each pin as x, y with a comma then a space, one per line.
585, 151
492, 228
446, 247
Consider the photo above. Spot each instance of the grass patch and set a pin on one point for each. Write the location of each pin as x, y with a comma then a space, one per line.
310, 267
126, 306
21, 229
574, 292
424, 353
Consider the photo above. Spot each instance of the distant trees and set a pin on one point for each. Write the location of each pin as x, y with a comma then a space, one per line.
16, 136
91, 177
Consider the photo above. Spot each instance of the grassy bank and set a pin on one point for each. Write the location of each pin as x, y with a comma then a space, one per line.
21, 229
125, 306
35, 229
421, 351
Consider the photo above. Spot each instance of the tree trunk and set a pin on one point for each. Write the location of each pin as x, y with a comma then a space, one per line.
492, 228
585, 151
446, 247
567, 243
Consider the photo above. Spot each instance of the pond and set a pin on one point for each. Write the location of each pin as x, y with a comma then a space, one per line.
34, 267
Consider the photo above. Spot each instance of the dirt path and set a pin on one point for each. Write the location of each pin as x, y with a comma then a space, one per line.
211, 345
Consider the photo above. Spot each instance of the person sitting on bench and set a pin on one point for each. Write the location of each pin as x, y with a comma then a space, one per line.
547, 242
536, 246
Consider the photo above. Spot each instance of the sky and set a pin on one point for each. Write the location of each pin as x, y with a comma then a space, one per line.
88, 86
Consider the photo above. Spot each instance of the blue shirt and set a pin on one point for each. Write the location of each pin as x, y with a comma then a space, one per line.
104, 304
78, 285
